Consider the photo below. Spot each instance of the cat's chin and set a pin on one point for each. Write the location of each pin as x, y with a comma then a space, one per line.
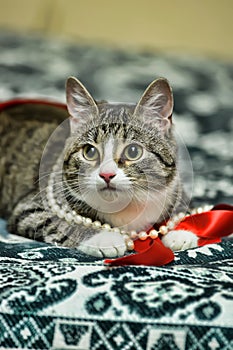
110, 195
112, 202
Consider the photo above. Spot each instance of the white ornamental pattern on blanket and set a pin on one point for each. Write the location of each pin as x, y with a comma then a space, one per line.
24, 287
177, 293
51, 293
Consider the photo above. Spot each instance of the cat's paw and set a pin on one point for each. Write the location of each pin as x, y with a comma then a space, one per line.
104, 244
180, 240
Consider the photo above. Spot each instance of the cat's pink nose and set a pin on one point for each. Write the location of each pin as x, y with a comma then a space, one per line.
107, 177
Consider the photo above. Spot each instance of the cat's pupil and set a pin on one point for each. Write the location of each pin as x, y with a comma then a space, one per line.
91, 151
132, 151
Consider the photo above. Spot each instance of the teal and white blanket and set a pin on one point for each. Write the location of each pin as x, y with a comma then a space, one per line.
58, 298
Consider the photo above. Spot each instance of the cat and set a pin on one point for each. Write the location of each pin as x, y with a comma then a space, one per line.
117, 165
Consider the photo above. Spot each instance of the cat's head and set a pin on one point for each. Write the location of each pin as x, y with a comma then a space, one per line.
121, 158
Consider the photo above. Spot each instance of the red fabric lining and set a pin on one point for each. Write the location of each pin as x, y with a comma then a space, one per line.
15, 102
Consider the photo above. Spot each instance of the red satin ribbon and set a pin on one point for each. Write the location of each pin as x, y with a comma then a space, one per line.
210, 227
150, 252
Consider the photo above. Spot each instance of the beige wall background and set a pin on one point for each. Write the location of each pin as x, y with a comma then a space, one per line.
196, 26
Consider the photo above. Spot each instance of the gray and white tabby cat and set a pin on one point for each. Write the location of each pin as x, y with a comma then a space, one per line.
118, 166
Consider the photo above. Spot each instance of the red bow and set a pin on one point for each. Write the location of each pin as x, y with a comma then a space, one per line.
209, 226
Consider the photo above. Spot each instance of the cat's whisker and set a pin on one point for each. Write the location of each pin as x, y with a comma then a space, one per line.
152, 188
47, 174
76, 173
146, 189
153, 183
87, 178
39, 194
51, 171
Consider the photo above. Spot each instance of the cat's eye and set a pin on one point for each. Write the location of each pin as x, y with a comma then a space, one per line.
133, 152
90, 152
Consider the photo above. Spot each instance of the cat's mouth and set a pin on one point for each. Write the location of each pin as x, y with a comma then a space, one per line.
109, 189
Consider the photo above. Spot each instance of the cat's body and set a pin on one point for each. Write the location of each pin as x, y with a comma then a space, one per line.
118, 166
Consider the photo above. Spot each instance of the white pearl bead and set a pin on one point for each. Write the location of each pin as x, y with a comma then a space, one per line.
171, 224
106, 226
133, 234
49, 194
199, 210
56, 208
123, 232
50, 184
49, 188
87, 221
153, 234
163, 230
126, 237
175, 219
142, 235
52, 202
69, 217
207, 207
181, 216
78, 219
130, 245
116, 229
97, 224
60, 213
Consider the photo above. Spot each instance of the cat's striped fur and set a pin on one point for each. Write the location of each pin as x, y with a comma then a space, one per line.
152, 181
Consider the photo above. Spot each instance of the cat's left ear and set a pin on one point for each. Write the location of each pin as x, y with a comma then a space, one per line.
156, 104
80, 104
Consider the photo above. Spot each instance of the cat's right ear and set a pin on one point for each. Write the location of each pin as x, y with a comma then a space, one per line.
81, 106
156, 104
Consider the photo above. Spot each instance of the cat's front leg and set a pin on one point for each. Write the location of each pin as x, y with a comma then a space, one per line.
31, 220
104, 244
180, 240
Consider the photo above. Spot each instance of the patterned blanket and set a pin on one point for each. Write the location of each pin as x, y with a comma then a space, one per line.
57, 298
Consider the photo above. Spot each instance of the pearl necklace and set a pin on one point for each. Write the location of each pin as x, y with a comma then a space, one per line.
72, 217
